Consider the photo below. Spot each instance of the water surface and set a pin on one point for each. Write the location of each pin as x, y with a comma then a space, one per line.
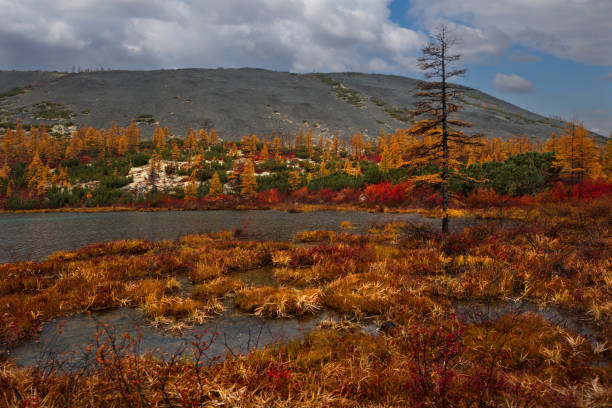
35, 236
232, 333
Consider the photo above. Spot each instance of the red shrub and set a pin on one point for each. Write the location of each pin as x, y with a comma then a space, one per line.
386, 193
587, 190
269, 197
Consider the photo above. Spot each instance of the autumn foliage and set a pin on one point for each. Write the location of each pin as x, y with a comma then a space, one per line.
90, 168
485, 316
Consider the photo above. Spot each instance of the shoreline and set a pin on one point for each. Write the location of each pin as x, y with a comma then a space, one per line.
498, 213
300, 208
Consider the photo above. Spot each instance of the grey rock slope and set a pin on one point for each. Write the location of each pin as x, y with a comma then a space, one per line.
240, 101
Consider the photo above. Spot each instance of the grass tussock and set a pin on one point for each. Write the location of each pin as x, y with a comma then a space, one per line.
358, 295
279, 302
217, 288
452, 335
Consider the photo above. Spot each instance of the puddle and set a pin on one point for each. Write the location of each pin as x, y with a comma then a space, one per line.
476, 312
186, 286
258, 277
232, 333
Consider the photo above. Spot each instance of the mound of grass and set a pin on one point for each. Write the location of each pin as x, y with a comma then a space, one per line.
378, 101
279, 302
399, 114
145, 118
13, 92
348, 95
51, 111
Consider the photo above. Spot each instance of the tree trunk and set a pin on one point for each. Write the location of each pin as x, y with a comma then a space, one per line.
444, 145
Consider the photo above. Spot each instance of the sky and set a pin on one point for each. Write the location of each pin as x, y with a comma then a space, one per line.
550, 56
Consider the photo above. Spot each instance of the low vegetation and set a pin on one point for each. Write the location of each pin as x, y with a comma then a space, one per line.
348, 95
94, 168
440, 344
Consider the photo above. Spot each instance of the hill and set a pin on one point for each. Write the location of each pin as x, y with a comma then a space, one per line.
240, 101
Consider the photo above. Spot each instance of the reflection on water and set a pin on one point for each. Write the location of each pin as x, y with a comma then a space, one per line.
258, 277
35, 236
232, 333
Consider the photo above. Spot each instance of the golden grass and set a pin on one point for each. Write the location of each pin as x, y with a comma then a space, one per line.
359, 295
217, 288
279, 302
560, 257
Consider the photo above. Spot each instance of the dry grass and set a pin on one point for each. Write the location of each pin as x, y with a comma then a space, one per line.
359, 295
217, 288
279, 302
433, 355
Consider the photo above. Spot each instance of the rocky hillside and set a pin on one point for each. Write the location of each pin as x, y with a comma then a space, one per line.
240, 101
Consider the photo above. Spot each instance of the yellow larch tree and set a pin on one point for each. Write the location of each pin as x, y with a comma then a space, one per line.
176, 153
191, 141
5, 171
578, 155
335, 145
191, 189
276, 146
295, 179
357, 146
216, 187
299, 140
321, 144
159, 138
264, 152
309, 142
386, 161
123, 145
62, 179
347, 168
213, 137
154, 169
248, 144
33, 171
248, 181
552, 144
203, 137
323, 169
133, 136
437, 101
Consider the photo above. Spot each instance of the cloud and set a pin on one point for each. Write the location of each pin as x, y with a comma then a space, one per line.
607, 77
378, 65
578, 30
512, 84
523, 57
296, 35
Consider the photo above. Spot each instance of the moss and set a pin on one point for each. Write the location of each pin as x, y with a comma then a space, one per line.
51, 111
13, 92
377, 101
145, 118
399, 114
348, 95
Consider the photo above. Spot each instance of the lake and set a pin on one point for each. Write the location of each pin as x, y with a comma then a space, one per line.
34, 236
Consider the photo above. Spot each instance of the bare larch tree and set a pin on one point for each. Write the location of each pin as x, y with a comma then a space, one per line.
437, 101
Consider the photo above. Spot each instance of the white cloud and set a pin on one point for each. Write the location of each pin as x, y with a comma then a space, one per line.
298, 35
378, 65
512, 84
579, 30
